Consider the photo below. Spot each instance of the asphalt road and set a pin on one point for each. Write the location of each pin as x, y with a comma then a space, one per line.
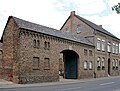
112, 84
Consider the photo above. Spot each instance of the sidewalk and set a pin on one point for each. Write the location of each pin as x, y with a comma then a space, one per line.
6, 84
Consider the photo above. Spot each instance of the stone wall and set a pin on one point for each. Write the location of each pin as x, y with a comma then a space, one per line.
27, 51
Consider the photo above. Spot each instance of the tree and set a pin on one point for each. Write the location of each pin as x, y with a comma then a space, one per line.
116, 8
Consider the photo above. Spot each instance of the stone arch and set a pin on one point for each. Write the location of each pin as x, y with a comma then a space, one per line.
70, 64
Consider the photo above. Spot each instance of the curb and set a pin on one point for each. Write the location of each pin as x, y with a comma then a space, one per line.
62, 82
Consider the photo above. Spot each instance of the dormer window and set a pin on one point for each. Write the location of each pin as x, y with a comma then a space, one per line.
78, 29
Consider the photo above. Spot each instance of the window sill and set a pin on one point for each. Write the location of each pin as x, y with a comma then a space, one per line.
46, 68
90, 68
36, 69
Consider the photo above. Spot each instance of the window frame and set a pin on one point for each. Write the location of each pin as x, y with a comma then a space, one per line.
98, 43
36, 64
46, 63
85, 65
78, 29
103, 45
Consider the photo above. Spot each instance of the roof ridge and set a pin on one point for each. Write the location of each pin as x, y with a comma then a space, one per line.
49, 31
95, 26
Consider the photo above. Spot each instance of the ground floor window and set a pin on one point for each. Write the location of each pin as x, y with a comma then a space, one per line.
85, 65
35, 63
90, 65
98, 63
46, 63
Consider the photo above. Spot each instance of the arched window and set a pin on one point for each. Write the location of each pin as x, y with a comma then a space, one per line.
103, 63
98, 63
38, 43
34, 43
78, 29
85, 65
90, 65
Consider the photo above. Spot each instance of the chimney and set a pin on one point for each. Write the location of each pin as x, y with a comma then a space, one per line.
100, 25
72, 13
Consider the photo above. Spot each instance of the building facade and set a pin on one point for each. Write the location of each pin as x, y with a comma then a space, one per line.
35, 53
106, 44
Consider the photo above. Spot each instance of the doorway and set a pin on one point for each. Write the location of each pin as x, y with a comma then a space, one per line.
70, 59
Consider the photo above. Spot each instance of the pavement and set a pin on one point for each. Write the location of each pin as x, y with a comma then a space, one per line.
7, 84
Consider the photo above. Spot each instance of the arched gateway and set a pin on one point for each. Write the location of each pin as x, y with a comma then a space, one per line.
70, 59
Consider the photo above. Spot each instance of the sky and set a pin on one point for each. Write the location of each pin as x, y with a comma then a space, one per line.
53, 13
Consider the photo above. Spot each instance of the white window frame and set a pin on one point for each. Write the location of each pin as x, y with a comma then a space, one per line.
103, 45
103, 61
98, 61
113, 48
109, 47
116, 63
78, 29
113, 63
117, 49
98, 43
90, 65
85, 65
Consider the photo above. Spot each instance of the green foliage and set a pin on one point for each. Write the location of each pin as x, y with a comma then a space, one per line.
116, 8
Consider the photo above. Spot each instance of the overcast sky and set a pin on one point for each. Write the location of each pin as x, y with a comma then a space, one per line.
53, 13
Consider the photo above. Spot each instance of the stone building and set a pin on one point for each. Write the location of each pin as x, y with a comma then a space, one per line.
35, 53
106, 44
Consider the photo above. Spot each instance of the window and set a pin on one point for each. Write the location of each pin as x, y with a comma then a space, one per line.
98, 43
90, 53
117, 49
103, 45
85, 52
109, 47
85, 65
98, 63
47, 45
103, 63
38, 43
34, 43
90, 65
116, 63
113, 48
46, 63
78, 29
35, 62
113, 63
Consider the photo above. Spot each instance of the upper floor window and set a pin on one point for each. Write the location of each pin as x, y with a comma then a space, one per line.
114, 48
47, 45
90, 53
98, 43
109, 47
78, 29
85, 52
36, 43
117, 48
103, 45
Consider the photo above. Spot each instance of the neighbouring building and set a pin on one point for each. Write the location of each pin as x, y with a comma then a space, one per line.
32, 53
